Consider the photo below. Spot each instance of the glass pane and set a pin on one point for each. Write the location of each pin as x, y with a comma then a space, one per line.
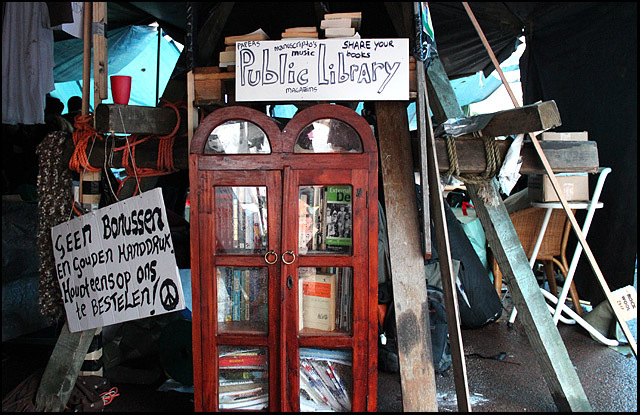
325, 219
241, 220
244, 378
243, 295
328, 136
325, 300
325, 380
237, 137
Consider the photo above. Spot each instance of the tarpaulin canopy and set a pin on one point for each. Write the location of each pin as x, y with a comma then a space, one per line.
132, 50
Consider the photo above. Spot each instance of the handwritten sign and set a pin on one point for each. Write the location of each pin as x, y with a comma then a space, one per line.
117, 263
626, 299
318, 70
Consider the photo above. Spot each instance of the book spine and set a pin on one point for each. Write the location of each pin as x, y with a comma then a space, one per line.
235, 222
237, 295
246, 297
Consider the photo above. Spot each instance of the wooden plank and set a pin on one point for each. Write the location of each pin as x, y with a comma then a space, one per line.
444, 258
100, 69
407, 262
563, 156
61, 372
421, 110
134, 119
557, 369
87, 12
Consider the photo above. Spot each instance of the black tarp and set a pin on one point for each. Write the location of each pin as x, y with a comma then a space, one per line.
584, 57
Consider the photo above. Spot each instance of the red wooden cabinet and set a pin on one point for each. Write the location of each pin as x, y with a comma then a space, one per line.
284, 231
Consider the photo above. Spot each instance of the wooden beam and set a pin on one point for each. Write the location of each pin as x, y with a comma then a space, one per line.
407, 262
563, 156
100, 69
61, 373
557, 369
133, 119
423, 123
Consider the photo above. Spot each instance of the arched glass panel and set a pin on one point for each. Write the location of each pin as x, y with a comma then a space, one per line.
237, 137
328, 136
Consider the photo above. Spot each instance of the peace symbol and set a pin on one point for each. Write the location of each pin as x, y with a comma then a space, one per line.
169, 295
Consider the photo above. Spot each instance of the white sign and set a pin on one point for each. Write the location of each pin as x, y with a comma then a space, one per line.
318, 70
626, 300
117, 263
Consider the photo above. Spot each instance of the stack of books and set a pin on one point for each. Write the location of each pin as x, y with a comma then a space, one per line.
307, 32
341, 24
244, 378
228, 55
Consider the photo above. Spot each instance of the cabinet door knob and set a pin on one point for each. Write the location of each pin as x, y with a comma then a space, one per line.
269, 255
293, 256
289, 282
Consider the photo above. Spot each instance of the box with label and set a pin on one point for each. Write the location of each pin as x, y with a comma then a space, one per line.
574, 185
553, 136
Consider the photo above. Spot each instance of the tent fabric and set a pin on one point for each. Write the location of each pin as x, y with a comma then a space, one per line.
27, 62
132, 51
592, 76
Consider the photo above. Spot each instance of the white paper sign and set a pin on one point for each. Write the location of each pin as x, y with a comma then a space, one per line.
626, 300
318, 70
117, 263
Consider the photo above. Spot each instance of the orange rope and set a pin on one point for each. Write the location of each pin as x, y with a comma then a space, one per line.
83, 132
164, 164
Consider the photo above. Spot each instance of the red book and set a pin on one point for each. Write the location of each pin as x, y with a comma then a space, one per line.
243, 361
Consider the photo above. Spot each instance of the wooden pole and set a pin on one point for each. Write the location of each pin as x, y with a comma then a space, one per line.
561, 197
417, 375
86, 57
430, 172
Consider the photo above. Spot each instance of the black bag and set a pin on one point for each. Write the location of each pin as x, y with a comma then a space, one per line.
388, 348
478, 301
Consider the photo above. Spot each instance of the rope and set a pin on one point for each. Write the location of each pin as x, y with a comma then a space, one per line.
79, 161
164, 164
493, 162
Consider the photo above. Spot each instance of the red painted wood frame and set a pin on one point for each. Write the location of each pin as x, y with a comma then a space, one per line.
282, 171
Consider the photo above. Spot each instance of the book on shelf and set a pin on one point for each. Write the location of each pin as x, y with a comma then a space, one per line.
259, 401
342, 22
256, 35
306, 32
332, 32
320, 383
224, 218
338, 214
255, 360
316, 300
227, 58
355, 19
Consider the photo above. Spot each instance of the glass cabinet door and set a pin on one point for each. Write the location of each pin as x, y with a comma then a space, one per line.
245, 247
330, 239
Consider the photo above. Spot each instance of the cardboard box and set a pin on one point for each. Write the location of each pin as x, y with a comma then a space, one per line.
553, 136
574, 185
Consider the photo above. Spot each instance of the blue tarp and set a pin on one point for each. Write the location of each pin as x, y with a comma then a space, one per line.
132, 51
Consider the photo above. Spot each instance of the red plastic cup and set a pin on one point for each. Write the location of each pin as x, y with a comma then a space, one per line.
121, 89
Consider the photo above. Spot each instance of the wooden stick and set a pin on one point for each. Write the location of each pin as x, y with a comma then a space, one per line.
430, 180
86, 57
561, 197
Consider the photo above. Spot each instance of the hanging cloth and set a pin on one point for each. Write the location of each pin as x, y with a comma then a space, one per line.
27, 62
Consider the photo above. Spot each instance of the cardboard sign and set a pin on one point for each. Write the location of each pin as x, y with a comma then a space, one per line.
319, 70
626, 299
117, 264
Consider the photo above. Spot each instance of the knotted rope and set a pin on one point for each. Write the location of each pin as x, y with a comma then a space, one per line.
492, 154
84, 132
164, 164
